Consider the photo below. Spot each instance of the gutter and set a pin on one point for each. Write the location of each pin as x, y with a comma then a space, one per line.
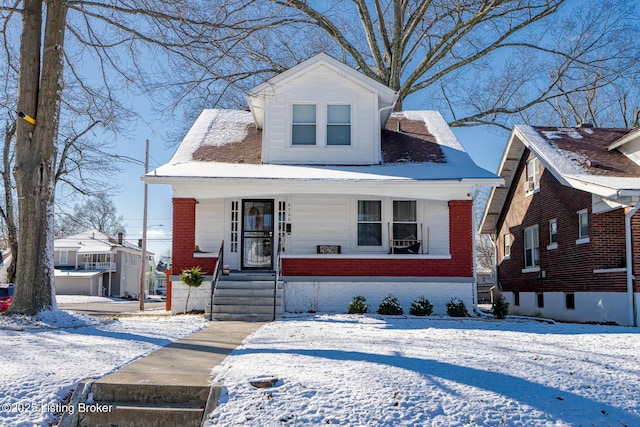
629, 260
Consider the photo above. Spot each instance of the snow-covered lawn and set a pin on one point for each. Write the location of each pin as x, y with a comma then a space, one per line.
375, 371
44, 358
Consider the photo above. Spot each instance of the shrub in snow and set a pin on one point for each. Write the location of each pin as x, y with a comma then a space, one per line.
499, 307
456, 308
192, 277
421, 307
358, 305
390, 305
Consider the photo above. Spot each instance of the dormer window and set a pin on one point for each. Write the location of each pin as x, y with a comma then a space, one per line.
304, 124
338, 125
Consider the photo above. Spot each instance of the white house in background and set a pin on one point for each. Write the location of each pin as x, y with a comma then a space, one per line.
360, 201
94, 263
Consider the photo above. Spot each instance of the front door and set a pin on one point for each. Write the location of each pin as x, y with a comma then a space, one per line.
257, 234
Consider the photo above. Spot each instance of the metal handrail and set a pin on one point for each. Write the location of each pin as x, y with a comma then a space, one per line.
216, 276
278, 267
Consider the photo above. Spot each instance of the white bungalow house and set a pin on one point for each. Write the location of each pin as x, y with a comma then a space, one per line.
97, 264
321, 182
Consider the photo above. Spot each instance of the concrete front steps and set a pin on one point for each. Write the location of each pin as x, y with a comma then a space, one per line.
111, 403
247, 297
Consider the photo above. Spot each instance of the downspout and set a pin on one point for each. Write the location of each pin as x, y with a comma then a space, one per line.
629, 263
474, 231
379, 126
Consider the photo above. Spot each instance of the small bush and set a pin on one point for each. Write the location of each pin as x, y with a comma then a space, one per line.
390, 306
499, 308
456, 308
421, 307
358, 305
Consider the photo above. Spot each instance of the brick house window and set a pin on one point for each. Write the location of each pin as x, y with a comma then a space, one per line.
369, 223
583, 226
533, 175
304, 124
553, 234
507, 245
531, 247
405, 225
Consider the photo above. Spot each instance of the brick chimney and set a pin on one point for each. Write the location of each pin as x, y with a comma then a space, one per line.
120, 237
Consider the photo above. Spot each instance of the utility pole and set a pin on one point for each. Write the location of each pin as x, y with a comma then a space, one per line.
144, 264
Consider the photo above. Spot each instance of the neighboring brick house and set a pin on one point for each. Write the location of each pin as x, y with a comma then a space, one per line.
361, 201
566, 225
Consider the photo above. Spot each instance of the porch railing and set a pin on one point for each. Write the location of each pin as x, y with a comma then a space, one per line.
277, 266
216, 276
107, 266
408, 245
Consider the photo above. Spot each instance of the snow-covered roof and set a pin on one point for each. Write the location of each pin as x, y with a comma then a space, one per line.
92, 242
579, 157
216, 133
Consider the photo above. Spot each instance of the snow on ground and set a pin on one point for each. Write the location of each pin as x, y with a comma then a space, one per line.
44, 358
387, 371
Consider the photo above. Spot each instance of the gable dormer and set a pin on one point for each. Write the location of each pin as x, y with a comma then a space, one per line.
321, 112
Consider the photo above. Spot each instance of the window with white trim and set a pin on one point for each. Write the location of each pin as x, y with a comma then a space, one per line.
338, 125
405, 223
303, 130
507, 245
553, 234
369, 223
64, 257
583, 224
533, 175
531, 247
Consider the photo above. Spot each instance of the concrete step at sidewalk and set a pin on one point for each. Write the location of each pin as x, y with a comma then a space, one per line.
246, 293
125, 414
244, 317
248, 301
242, 284
149, 393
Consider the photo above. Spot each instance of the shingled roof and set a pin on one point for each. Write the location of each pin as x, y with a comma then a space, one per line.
404, 140
588, 148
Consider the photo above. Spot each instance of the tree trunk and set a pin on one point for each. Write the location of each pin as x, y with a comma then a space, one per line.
9, 209
36, 149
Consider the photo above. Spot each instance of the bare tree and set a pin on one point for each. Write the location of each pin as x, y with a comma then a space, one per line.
480, 61
97, 212
79, 43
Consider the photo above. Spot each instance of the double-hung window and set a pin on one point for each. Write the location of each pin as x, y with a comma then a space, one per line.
583, 226
531, 247
369, 223
64, 257
303, 130
533, 175
553, 234
405, 224
507, 245
338, 125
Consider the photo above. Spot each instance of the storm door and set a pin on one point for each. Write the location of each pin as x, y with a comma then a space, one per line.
257, 234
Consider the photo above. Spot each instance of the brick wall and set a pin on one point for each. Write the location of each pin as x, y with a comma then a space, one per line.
460, 264
184, 238
569, 268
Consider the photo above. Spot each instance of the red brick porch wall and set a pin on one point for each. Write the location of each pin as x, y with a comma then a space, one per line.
460, 264
184, 238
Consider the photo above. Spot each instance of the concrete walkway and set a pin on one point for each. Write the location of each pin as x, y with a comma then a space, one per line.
171, 386
187, 361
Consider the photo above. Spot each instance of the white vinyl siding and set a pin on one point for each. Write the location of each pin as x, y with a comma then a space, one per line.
322, 87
